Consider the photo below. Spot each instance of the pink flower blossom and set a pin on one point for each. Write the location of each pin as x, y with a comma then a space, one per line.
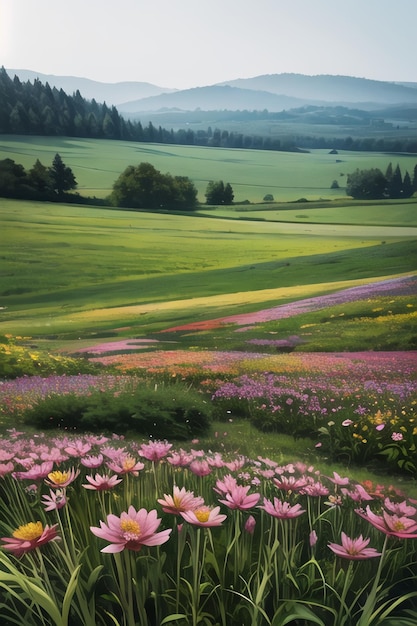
397, 436
226, 484
180, 458
290, 483
36, 472
180, 501
354, 549
313, 538
282, 510
6, 468
238, 498
28, 537
155, 450
250, 525
92, 462
380, 427
393, 525
56, 500
347, 422
338, 480
204, 516
125, 464
314, 489
400, 508
200, 468
131, 530
102, 483
236, 464
358, 494
78, 448
58, 479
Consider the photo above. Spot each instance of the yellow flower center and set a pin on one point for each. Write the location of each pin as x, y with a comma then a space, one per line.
58, 477
202, 514
130, 527
398, 525
28, 532
128, 463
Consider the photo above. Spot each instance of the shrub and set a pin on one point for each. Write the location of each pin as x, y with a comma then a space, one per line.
18, 359
172, 411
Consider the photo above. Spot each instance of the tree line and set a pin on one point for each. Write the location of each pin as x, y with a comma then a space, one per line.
138, 187
372, 184
38, 109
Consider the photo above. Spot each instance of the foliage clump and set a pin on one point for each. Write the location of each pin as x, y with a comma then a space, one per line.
171, 411
19, 359
144, 187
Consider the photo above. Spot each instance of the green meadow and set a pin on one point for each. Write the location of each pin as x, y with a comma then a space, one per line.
288, 176
68, 271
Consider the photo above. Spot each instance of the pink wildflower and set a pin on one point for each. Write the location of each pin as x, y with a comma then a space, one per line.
6, 468
282, 510
200, 468
358, 494
400, 508
226, 484
36, 472
56, 500
78, 448
204, 516
131, 530
180, 458
290, 483
180, 501
354, 549
58, 479
347, 422
250, 525
236, 464
155, 450
314, 489
125, 464
393, 525
238, 498
92, 462
102, 483
338, 480
397, 436
313, 538
28, 537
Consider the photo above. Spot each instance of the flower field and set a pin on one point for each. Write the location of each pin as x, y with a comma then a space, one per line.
99, 530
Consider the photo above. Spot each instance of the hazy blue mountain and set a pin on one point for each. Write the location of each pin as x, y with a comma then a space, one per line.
346, 89
274, 92
215, 98
111, 93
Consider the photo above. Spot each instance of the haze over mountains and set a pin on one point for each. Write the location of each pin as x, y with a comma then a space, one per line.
274, 92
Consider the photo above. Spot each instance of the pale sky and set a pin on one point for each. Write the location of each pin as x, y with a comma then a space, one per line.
191, 43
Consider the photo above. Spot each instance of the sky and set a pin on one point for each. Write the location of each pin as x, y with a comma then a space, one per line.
191, 43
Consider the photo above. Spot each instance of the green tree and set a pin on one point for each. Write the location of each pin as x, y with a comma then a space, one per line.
219, 193
39, 177
144, 187
61, 176
407, 186
395, 185
366, 184
414, 183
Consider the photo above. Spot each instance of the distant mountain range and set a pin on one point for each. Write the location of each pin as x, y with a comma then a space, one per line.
274, 92
110, 93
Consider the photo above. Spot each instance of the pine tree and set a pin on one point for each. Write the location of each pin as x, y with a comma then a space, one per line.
62, 177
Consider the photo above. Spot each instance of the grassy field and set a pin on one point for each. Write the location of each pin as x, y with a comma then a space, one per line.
72, 269
252, 174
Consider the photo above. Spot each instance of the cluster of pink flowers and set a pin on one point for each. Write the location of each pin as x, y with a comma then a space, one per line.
249, 486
